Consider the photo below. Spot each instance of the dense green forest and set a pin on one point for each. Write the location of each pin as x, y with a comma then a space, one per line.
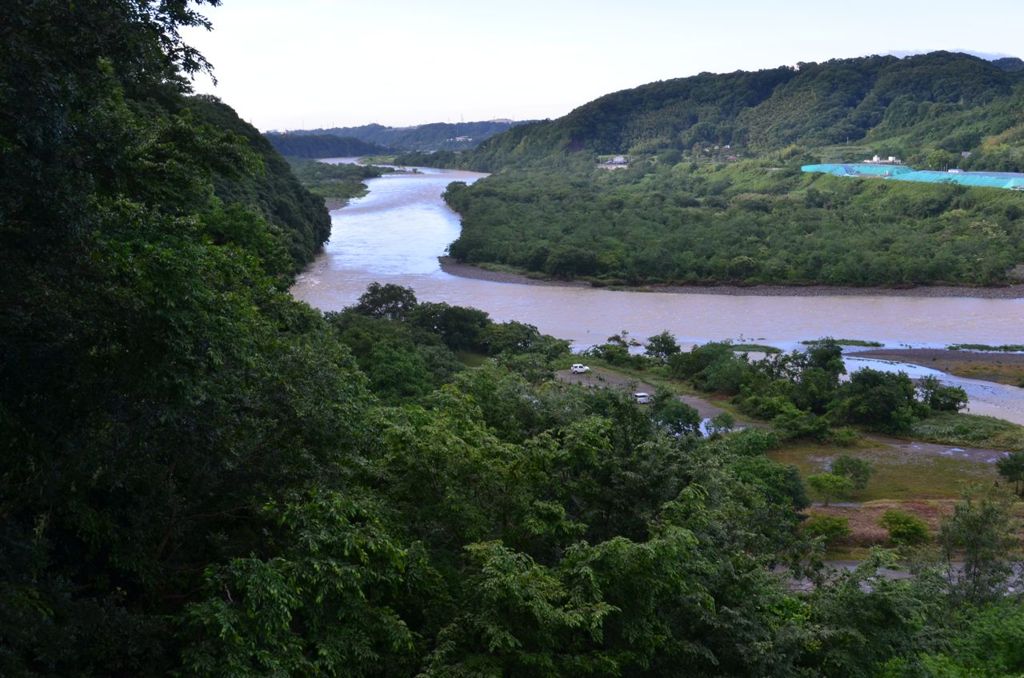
201, 476
334, 183
713, 192
321, 145
429, 137
747, 222
940, 102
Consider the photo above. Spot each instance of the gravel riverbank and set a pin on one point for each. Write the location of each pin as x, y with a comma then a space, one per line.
452, 267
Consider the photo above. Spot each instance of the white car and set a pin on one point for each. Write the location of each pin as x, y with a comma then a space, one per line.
642, 398
579, 368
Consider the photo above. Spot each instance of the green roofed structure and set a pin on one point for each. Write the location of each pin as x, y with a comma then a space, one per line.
1007, 180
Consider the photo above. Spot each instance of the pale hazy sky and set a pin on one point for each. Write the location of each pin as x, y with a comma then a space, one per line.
288, 64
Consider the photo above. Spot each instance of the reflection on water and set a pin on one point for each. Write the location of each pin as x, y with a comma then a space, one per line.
396, 232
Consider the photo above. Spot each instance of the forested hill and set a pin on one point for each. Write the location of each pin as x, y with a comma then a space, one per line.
435, 136
200, 476
945, 102
711, 189
299, 145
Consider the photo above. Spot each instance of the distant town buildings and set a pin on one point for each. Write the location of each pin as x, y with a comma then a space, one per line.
878, 160
618, 162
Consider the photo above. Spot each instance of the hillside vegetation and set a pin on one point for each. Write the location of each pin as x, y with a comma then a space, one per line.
201, 476
714, 194
750, 222
908, 107
321, 145
434, 136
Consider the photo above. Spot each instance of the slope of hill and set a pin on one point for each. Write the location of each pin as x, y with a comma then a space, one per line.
436, 136
297, 145
908, 107
712, 191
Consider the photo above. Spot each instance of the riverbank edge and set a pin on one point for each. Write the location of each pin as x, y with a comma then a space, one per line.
462, 270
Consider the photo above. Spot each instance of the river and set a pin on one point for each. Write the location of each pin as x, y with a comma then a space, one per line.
397, 231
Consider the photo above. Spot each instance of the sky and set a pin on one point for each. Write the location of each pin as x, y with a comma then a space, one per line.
301, 64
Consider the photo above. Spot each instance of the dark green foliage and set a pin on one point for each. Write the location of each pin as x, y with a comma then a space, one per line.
388, 301
752, 442
1011, 467
878, 399
1007, 348
942, 398
712, 367
780, 484
987, 643
694, 225
830, 486
857, 470
689, 210
333, 182
297, 218
981, 532
904, 529
331, 564
793, 423
429, 137
871, 620
616, 351
912, 105
829, 529
662, 346
320, 145
673, 415
199, 475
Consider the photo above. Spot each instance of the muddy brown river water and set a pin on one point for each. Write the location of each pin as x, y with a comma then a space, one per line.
396, 233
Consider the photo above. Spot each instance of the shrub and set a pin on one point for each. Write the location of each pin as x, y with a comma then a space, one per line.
942, 398
723, 423
904, 528
830, 485
794, 423
857, 470
829, 529
752, 442
843, 437
883, 401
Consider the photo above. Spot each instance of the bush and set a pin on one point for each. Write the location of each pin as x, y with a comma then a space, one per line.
765, 407
942, 398
857, 470
794, 423
723, 423
904, 528
843, 437
752, 442
829, 529
880, 400
830, 485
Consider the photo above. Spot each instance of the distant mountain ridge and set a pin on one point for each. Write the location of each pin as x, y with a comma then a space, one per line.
939, 102
435, 136
320, 145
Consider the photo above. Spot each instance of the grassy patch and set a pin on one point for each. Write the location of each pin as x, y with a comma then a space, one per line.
470, 359
755, 348
378, 159
846, 342
969, 430
897, 474
1012, 375
1004, 348
865, 530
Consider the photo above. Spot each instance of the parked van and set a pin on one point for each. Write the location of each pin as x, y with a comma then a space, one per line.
642, 398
